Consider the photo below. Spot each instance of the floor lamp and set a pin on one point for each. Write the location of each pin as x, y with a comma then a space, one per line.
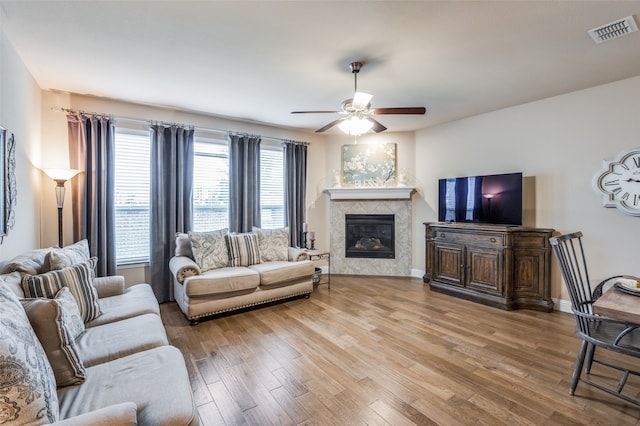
60, 176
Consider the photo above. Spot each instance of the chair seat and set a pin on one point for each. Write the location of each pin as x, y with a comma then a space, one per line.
603, 333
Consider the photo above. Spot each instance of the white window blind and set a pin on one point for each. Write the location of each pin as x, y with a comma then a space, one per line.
132, 197
210, 185
271, 186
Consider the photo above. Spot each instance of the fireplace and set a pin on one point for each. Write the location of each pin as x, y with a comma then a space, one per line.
370, 236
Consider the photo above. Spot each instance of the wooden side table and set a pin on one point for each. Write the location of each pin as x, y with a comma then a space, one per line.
315, 255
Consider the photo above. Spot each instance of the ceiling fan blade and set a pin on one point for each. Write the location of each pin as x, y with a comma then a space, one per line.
361, 100
330, 125
401, 110
377, 126
316, 112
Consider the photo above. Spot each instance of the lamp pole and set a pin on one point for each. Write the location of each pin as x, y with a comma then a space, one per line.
60, 176
60, 201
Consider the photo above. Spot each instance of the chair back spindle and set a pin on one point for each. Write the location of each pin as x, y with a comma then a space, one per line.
569, 252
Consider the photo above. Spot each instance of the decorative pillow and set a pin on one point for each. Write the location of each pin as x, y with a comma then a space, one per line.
31, 262
80, 280
183, 245
243, 249
273, 243
52, 326
71, 311
27, 384
14, 282
210, 249
60, 258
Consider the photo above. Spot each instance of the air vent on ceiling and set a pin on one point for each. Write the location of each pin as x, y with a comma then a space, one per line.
614, 29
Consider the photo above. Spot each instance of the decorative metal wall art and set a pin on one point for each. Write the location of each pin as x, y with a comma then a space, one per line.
12, 188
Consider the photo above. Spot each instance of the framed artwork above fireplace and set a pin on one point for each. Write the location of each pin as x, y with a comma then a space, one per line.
369, 164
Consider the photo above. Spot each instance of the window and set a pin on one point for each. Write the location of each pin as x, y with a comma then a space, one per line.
132, 196
271, 186
210, 190
210, 184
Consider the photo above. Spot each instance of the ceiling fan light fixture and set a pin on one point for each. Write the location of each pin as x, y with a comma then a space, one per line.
355, 125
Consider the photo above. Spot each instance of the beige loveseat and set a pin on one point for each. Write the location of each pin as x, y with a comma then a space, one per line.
215, 272
116, 368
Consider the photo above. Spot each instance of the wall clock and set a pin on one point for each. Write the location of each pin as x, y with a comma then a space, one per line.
618, 182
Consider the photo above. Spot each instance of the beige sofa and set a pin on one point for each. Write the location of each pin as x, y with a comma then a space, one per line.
123, 371
203, 288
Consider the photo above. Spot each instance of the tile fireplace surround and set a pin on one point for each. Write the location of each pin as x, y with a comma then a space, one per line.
383, 200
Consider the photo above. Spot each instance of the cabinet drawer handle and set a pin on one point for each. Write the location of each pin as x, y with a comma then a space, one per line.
493, 240
442, 235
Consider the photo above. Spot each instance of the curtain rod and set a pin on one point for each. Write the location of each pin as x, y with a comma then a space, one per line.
141, 120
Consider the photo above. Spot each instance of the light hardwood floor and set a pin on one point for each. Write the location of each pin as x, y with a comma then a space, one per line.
387, 351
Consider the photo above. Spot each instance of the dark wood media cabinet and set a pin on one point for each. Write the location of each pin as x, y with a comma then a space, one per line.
507, 267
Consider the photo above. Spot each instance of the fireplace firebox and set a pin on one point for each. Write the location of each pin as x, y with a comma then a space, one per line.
370, 236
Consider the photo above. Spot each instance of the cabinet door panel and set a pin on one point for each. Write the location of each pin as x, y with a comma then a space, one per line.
529, 279
485, 270
448, 261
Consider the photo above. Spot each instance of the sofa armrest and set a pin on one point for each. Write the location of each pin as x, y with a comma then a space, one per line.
109, 286
297, 254
123, 414
183, 267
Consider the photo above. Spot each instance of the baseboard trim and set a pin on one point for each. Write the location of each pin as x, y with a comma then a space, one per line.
417, 273
563, 305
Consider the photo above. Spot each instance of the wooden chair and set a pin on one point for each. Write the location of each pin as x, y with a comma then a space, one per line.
594, 330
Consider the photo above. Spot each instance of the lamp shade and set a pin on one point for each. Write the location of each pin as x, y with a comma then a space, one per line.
61, 174
356, 125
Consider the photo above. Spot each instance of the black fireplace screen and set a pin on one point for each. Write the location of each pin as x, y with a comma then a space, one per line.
370, 236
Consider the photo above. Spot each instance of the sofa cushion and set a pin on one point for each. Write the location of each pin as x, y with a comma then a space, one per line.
125, 414
273, 243
223, 280
155, 380
136, 300
27, 383
183, 245
79, 278
60, 258
243, 249
276, 273
121, 338
52, 326
209, 249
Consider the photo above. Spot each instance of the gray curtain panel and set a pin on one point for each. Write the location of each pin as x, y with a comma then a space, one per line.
92, 149
295, 183
171, 199
244, 182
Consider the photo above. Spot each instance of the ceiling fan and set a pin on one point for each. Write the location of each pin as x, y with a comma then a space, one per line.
358, 113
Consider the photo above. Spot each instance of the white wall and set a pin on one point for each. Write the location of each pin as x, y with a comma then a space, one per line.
20, 115
561, 141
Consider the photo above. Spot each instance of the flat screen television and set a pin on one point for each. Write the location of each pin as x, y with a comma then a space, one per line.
493, 199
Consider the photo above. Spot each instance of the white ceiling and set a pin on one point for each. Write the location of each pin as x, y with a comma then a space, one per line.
260, 60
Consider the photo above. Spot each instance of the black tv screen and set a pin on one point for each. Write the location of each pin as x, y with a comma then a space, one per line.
494, 199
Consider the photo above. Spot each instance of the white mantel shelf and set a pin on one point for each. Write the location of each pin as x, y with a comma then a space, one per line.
370, 193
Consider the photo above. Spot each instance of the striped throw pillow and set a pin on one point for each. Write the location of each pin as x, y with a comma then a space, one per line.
78, 278
243, 249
